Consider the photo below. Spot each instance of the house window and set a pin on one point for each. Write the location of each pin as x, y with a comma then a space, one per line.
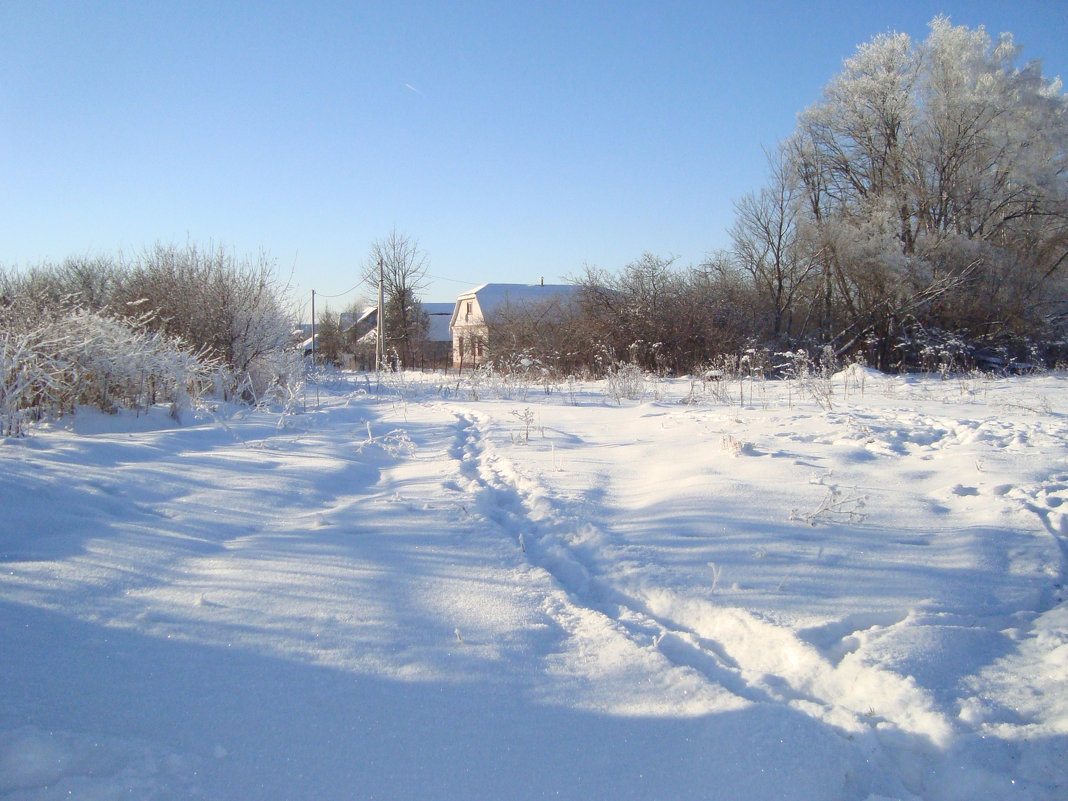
469, 307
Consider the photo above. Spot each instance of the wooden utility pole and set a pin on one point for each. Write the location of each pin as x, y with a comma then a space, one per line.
381, 333
313, 350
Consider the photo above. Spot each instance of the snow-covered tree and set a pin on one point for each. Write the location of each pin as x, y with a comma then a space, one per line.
934, 187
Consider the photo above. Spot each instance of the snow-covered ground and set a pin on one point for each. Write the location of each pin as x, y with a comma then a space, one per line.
746, 591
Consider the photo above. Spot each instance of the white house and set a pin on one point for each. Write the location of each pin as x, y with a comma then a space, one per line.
475, 306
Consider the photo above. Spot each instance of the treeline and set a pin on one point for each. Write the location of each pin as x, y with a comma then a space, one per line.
917, 218
649, 314
166, 326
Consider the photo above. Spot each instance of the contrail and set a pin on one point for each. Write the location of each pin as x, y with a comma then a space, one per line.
409, 86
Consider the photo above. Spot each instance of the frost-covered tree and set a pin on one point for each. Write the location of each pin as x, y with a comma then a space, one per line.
934, 193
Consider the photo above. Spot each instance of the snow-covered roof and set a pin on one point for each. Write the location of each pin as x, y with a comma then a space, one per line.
366, 313
494, 296
440, 315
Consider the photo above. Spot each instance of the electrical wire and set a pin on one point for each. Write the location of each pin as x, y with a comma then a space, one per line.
347, 291
363, 281
451, 280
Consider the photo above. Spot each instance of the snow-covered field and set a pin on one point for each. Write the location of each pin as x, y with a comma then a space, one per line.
747, 591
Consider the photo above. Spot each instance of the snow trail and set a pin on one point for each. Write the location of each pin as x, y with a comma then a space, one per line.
757, 660
387, 599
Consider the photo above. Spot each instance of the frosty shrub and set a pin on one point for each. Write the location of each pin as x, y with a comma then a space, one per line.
513, 377
232, 308
88, 282
526, 418
624, 380
813, 378
75, 357
28, 380
168, 326
838, 506
115, 363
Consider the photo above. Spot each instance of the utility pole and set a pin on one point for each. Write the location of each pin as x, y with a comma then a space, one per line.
313, 350
381, 333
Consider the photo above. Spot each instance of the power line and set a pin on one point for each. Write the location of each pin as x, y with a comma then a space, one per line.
347, 291
363, 281
452, 280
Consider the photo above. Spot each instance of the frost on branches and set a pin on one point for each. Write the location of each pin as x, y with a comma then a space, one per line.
170, 327
926, 192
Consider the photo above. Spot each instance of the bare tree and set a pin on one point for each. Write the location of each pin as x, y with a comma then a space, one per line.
549, 333
768, 243
403, 270
234, 308
653, 315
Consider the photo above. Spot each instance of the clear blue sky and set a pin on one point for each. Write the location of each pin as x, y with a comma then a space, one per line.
513, 140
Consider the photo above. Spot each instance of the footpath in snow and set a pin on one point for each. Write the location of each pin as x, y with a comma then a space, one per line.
438, 589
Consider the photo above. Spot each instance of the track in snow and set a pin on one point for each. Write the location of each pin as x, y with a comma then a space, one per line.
728, 647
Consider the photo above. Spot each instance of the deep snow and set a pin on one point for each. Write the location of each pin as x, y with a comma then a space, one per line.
736, 591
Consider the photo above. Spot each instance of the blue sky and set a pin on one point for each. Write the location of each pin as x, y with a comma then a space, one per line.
514, 141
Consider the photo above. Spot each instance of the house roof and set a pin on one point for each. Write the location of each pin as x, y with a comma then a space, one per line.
366, 313
494, 296
440, 315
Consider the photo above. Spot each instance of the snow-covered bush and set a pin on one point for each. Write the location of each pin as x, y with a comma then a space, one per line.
73, 357
234, 308
513, 377
28, 381
624, 380
227, 310
812, 376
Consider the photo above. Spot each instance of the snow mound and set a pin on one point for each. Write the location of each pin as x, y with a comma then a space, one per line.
859, 374
53, 765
